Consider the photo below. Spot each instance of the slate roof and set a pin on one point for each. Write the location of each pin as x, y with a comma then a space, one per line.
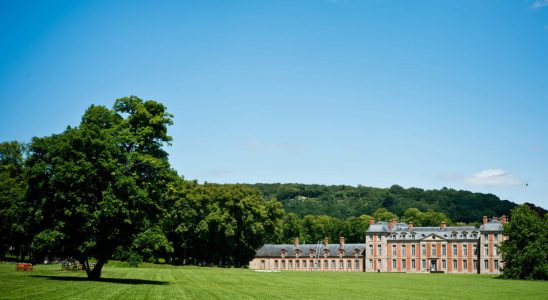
401, 231
493, 225
378, 227
275, 250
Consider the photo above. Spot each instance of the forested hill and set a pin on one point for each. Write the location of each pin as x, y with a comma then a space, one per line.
344, 201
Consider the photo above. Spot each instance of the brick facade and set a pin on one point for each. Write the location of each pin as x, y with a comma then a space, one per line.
396, 247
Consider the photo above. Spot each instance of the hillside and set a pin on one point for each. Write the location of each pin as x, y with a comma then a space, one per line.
344, 201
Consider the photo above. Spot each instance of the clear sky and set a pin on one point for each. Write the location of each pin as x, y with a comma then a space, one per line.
428, 94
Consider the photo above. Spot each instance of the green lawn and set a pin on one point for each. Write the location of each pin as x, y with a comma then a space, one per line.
168, 282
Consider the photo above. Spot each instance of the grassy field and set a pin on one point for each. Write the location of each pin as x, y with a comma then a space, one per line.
168, 282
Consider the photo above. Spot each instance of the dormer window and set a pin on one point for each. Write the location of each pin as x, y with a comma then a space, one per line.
341, 253
284, 253
326, 253
297, 253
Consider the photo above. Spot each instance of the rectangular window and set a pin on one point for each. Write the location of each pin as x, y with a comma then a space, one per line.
291, 264
443, 264
283, 264
496, 264
325, 264
443, 250
465, 264
370, 264
496, 250
423, 249
486, 250
379, 265
403, 252
356, 264
486, 264
423, 263
475, 249
333, 266
454, 264
433, 250
454, 250
404, 264
465, 250
380, 237
297, 264
370, 249
304, 264
349, 264
379, 250
474, 264
393, 250
341, 264
413, 266
486, 237
393, 264
413, 250
496, 237
275, 264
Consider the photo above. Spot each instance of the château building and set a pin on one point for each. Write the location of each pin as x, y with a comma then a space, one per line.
396, 247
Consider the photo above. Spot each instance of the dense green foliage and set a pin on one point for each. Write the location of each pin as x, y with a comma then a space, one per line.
219, 224
168, 282
342, 201
99, 185
12, 191
525, 252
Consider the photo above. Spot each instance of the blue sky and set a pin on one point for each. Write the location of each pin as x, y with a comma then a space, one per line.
428, 94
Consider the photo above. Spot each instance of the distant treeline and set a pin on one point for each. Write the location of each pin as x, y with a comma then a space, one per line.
343, 201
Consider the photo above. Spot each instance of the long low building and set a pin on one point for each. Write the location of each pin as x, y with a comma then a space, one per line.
310, 257
396, 247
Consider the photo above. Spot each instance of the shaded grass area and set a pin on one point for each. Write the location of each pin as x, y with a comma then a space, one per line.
165, 281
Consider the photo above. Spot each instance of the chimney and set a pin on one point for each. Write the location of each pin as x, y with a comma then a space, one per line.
503, 219
485, 220
341, 241
443, 225
410, 225
296, 242
325, 242
371, 221
392, 223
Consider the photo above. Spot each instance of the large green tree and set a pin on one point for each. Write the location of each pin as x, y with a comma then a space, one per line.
524, 251
95, 187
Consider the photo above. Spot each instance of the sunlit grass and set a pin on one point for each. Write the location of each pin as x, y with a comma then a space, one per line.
169, 282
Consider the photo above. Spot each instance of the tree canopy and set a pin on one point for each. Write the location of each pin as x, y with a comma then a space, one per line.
343, 201
95, 187
524, 251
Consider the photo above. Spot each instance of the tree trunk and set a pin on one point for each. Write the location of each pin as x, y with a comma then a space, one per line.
95, 274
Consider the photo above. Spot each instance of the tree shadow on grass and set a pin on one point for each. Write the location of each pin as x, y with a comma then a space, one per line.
110, 280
